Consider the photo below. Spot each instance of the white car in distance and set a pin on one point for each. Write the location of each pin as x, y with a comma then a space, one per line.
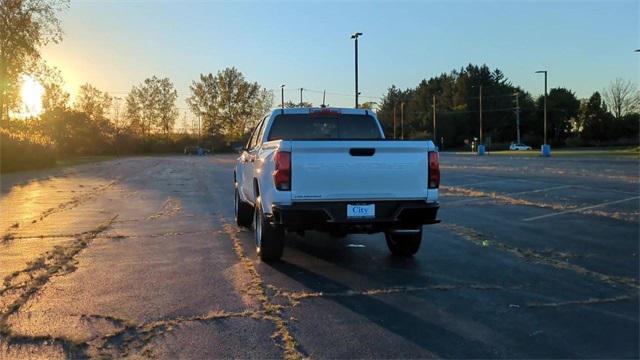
518, 147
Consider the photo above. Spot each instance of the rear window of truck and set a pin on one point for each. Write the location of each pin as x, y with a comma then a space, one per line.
310, 127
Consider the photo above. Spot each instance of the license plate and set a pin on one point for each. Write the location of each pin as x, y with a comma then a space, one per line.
361, 211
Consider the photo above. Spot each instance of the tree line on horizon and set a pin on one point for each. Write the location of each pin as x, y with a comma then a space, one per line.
610, 117
228, 105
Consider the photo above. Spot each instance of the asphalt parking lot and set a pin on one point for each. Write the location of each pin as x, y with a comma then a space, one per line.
534, 258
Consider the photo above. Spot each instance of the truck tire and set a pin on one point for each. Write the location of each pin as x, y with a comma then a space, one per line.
269, 238
404, 244
244, 211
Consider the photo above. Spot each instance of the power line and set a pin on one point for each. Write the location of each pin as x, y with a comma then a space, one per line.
329, 93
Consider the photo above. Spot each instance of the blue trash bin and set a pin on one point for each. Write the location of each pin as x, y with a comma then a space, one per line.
200, 151
480, 150
545, 150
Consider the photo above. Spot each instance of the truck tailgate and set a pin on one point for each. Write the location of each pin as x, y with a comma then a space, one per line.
353, 170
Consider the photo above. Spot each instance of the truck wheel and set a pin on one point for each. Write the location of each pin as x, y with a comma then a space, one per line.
404, 243
244, 212
269, 238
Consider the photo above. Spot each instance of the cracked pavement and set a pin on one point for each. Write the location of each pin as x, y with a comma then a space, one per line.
139, 257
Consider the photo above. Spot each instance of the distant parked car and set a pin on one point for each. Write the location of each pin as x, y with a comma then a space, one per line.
519, 147
197, 150
191, 150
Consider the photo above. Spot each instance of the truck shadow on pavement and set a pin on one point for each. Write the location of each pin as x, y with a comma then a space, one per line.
433, 337
430, 336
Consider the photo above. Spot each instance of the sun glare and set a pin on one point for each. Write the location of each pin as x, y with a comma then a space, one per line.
31, 92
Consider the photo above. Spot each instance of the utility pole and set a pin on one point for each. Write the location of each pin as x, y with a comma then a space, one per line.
394, 121
184, 122
282, 96
402, 120
117, 123
355, 37
301, 96
517, 94
117, 101
433, 104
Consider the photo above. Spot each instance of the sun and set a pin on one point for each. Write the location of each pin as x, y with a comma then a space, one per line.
31, 92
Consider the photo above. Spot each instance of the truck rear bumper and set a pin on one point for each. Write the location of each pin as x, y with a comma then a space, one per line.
333, 215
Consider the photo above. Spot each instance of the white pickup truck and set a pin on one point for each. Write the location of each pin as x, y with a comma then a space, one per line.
332, 170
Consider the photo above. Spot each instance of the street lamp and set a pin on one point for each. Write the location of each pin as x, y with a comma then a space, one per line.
546, 149
355, 36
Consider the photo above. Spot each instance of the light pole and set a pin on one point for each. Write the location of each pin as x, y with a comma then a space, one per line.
546, 149
355, 37
301, 89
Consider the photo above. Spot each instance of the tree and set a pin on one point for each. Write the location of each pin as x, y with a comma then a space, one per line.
562, 108
151, 106
621, 97
227, 103
25, 27
369, 105
291, 104
457, 107
595, 119
76, 133
55, 96
93, 102
389, 103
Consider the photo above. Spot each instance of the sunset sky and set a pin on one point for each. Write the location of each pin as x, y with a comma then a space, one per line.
114, 45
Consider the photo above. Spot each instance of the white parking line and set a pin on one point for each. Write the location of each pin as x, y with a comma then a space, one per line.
482, 182
608, 190
581, 209
541, 190
508, 194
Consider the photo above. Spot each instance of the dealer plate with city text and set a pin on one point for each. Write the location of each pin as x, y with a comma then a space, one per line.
363, 211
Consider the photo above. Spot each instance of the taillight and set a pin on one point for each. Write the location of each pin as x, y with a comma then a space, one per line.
282, 172
434, 170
